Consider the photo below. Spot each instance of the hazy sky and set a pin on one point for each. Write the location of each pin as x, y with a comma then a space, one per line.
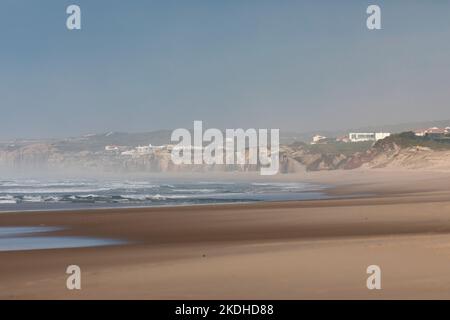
147, 65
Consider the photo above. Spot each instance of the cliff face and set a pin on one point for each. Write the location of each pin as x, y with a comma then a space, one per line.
404, 151
393, 152
48, 156
300, 158
34, 155
396, 157
377, 156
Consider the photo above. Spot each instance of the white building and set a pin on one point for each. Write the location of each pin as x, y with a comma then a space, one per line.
139, 151
317, 139
144, 149
381, 135
161, 147
129, 153
432, 131
111, 148
367, 136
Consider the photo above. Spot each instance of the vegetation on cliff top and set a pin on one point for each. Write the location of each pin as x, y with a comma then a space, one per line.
410, 140
335, 147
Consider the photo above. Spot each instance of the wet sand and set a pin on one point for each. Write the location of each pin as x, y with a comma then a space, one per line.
290, 250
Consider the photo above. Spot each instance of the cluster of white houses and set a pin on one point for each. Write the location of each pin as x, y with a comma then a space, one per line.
150, 149
433, 132
137, 151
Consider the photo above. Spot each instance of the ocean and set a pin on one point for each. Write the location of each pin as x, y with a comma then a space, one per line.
40, 194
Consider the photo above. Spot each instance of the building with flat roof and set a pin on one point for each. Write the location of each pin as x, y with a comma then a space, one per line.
367, 136
434, 131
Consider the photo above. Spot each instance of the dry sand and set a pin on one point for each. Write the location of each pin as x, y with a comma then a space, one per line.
290, 250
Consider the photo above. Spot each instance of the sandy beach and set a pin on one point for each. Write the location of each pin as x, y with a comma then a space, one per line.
317, 249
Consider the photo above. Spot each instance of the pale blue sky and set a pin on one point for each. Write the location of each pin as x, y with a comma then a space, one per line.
147, 65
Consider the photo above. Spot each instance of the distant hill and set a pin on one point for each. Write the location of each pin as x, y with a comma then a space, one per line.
97, 142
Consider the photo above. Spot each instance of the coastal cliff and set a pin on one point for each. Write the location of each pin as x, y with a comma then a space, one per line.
398, 151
